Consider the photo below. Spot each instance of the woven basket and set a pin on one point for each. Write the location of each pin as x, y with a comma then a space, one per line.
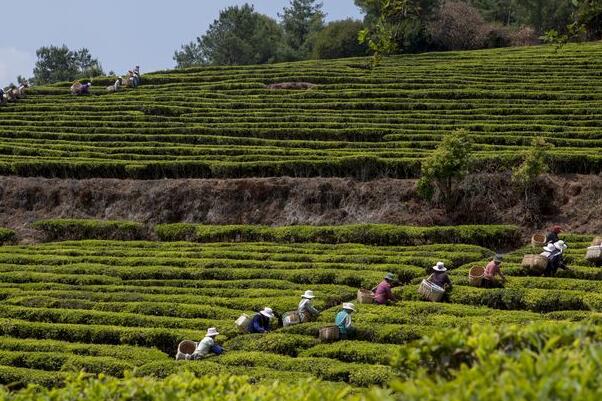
365, 296
243, 323
475, 276
535, 263
185, 347
594, 254
291, 318
430, 291
597, 241
329, 334
538, 240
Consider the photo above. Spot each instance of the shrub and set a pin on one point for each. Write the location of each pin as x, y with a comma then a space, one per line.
459, 26
58, 229
7, 235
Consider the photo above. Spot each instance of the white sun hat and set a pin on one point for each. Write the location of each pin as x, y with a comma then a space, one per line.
349, 306
560, 245
440, 267
309, 294
212, 332
267, 312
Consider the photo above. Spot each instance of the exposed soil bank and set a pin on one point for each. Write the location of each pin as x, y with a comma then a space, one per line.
574, 201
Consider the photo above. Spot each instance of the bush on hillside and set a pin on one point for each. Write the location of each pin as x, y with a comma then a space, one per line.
73, 229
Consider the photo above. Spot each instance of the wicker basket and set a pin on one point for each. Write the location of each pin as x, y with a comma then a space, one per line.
329, 334
535, 263
594, 254
291, 318
243, 323
430, 291
538, 240
597, 241
185, 347
475, 276
365, 296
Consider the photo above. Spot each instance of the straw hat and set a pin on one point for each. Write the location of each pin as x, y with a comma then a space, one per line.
212, 332
267, 312
440, 267
309, 294
349, 306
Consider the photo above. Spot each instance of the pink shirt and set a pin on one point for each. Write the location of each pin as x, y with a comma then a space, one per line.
383, 293
492, 269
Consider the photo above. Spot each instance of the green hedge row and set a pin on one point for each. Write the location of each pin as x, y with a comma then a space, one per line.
70, 229
7, 235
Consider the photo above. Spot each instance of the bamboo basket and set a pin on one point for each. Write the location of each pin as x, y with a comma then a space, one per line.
475, 276
243, 323
594, 254
430, 291
535, 263
185, 347
365, 296
538, 240
291, 318
329, 334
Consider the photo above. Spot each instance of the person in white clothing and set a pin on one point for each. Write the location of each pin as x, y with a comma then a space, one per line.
206, 346
306, 310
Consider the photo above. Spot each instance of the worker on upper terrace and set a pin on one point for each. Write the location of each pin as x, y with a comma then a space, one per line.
307, 312
555, 254
383, 293
552, 235
261, 321
492, 270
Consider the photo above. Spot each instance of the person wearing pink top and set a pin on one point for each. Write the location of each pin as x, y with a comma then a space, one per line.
491, 271
382, 293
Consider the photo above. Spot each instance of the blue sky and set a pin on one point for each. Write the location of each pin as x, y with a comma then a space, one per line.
119, 33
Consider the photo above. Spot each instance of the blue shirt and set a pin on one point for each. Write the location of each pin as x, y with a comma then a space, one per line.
259, 324
343, 321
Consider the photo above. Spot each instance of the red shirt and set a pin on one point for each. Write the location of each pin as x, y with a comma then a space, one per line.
492, 269
383, 293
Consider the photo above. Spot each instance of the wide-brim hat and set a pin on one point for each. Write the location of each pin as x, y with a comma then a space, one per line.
212, 332
349, 306
390, 276
498, 258
267, 312
560, 245
308, 294
440, 267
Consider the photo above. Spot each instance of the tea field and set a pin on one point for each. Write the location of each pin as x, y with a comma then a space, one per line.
224, 122
114, 306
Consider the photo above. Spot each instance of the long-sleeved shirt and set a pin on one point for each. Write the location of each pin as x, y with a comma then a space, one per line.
551, 237
441, 279
383, 293
343, 321
492, 269
259, 324
204, 347
306, 309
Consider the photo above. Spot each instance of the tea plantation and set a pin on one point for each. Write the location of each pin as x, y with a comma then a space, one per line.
115, 306
224, 121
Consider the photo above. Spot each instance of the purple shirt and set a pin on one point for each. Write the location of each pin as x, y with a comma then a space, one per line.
383, 293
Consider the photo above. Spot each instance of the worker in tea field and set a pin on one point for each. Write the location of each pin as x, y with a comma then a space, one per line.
116, 86
343, 320
136, 76
261, 321
492, 270
207, 346
307, 312
552, 235
3, 98
383, 293
554, 252
440, 276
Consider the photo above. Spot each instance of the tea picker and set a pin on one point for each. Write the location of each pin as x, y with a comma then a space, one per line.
492, 270
260, 323
203, 349
383, 293
307, 312
554, 252
343, 320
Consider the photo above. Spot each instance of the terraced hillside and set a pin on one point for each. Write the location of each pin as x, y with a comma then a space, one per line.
108, 306
223, 122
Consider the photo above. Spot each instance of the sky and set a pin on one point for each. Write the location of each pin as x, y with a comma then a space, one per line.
119, 33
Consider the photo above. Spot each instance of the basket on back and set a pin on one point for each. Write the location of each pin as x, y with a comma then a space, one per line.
329, 334
475, 276
535, 263
538, 240
365, 296
185, 347
594, 254
243, 323
291, 318
431, 292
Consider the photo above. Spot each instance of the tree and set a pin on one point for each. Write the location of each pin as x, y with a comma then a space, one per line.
56, 64
239, 36
534, 164
338, 39
448, 163
588, 15
459, 26
300, 21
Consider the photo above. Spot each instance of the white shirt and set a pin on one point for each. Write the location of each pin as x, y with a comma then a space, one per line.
204, 347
